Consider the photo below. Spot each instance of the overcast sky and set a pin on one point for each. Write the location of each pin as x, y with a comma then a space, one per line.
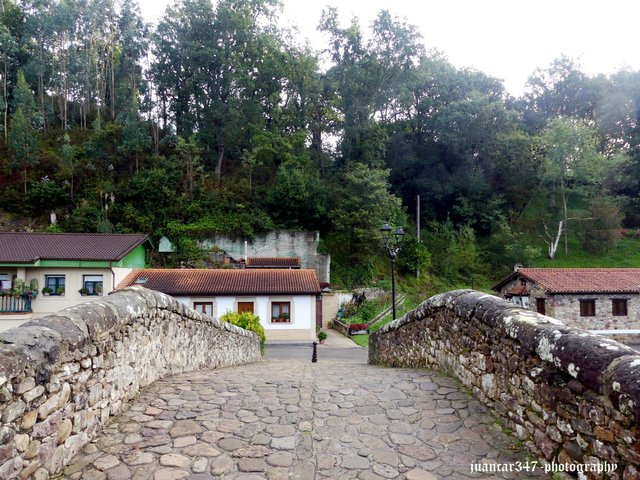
507, 39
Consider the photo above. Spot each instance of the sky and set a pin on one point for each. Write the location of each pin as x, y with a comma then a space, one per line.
507, 39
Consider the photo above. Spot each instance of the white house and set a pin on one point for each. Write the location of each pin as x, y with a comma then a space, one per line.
288, 301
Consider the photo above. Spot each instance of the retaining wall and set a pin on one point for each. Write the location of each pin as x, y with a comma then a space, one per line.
571, 396
63, 376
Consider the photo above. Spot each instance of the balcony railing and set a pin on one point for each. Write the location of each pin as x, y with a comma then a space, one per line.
15, 304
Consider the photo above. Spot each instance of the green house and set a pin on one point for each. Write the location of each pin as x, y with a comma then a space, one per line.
41, 273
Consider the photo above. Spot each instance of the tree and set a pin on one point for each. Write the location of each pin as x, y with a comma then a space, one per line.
601, 231
217, 70
564, 90
362, 203
23, 138
135, 136
571, 163
297, 200
189, 153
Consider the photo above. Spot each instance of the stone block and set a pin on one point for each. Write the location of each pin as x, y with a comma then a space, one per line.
13, 411
30, 395
47, 427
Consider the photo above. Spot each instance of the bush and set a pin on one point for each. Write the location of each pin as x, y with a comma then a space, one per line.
248, 321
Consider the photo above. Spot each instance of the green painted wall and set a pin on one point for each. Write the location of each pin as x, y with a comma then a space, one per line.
135, 259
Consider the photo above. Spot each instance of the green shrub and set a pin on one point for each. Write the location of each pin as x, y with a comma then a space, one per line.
248, 321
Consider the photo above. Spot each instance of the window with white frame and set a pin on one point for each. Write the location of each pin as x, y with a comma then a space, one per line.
92, 284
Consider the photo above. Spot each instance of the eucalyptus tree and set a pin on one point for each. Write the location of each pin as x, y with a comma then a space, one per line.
11, 33
23, 138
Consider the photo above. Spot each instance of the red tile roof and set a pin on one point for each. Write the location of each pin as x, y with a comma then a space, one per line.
580, 280
23, 247
225, 281
273, 262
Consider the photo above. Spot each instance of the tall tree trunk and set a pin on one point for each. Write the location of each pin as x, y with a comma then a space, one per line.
564, 207
218, 172
6, 102
41, 86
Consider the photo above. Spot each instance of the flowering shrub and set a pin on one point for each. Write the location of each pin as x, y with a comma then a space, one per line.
248, 321
356, 327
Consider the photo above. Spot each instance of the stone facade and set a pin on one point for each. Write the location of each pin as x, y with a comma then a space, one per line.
280, 243
572, 397
63, 376
566, 307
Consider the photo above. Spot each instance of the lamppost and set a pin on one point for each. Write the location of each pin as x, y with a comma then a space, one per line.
392, 245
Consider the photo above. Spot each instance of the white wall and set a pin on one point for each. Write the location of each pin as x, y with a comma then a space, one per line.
303, 312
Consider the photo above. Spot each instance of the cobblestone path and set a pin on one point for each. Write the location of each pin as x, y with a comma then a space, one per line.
292, 419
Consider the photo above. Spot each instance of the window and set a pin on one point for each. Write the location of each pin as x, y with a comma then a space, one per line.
203, 307
619, 307
245, 307
5, 282
280, 312
587, 308
92, 284
541, 306
54, 284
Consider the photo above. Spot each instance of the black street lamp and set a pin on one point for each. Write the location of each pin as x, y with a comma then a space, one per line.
392, 244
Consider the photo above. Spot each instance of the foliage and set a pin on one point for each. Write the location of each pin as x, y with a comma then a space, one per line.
414, 256
362, 314
235, 128
455, 253
248, 321
600, 232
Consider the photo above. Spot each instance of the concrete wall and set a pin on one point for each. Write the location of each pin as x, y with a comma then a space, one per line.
572, 397
303, 314
63, 376
280, 243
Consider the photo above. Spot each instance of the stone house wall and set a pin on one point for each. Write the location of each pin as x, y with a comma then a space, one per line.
571, 396
566, 308
63, 376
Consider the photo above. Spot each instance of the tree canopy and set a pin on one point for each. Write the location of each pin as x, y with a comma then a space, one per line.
218, 121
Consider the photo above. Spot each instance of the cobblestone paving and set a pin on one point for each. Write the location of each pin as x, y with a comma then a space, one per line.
290, 419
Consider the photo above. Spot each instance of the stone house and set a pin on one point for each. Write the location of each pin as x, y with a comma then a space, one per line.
587, 298
68, 268
288, 301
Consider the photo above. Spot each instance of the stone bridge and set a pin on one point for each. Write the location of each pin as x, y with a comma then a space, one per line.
139, 386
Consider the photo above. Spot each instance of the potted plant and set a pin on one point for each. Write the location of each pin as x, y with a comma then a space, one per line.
46, 291
60, 291
98, 289
322, 336
84, 291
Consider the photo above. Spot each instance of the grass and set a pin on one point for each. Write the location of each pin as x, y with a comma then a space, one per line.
361, 340
625, 254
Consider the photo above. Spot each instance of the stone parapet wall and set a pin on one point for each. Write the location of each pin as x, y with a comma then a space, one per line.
63, 376
571, 396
